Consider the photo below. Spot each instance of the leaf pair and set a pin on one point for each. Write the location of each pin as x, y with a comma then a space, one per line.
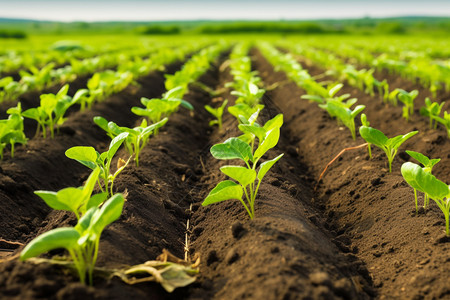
137, 137
217, 113
90, 158
388, 145
247, 179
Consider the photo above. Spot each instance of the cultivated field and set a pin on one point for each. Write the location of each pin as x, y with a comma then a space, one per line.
211, 151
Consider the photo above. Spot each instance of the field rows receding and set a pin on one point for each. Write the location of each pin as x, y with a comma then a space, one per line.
355, 238
370, 210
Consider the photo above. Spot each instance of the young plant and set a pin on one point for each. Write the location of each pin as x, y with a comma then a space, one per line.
445, 121
82, 241
217, 113
51, 111
344, 114
408, 101
90, 158
428, 167
388, 145
427, 183
247, 179
431, 110
76, 200
330, 94
137, 136
11, 130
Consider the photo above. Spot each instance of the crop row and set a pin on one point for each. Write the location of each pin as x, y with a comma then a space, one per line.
95, 212
100, 86
339, 107
365, 80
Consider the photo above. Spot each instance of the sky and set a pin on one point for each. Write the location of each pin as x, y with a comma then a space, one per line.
160, 10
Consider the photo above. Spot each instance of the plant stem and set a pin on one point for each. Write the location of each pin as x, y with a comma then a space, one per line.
415, 198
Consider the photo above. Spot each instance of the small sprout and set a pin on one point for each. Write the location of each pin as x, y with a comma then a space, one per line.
245, 176
137, 137
51, 111
431, 110
445, 121
76, 200
82, 241
427, 183
11, 130
428, 167
90, 158
345, 114
388, 145
408, 101
217, 113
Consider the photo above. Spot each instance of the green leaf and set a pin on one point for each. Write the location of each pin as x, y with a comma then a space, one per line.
425, 182
373, 136
275, 122
241, 174
333, 91
265, 166
395, 142
85, 221
102, 123
187, 105
115, 144
66, 237
270, 141
224, 190
257, 131
84, 154
419, 157
108, 213
233, 148
52, 200
88, 188
96, 200
72, 197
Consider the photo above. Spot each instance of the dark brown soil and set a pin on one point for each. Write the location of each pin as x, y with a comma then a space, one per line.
406, 255
356, 237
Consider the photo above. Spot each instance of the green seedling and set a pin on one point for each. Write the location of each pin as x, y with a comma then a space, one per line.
247, 179
408, 101
51, 110
249, 94
11, 130
10, 89
431, 110
388, 145
428, 165
427, 183
76, 200
383, 89
242, 111
217, 113
137, 137
37, 79
366, 123
344, 114
445, 121
81, 241
90, 158
331, 92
